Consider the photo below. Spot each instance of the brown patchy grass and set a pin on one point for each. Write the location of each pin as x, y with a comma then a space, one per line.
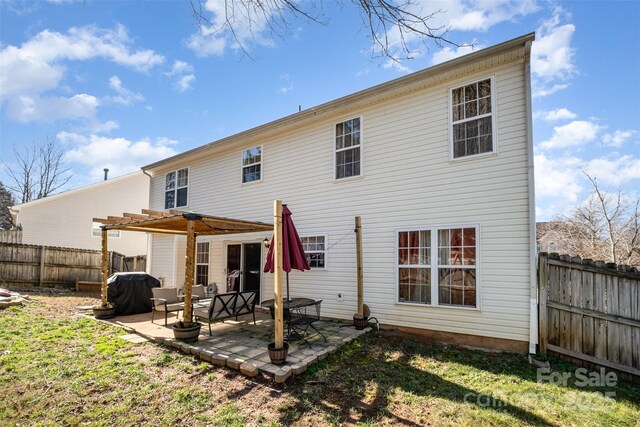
58, 368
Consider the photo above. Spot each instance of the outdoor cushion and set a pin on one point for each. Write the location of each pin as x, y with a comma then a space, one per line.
178, 306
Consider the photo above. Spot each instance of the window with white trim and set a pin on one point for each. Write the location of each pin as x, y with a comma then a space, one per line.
315, 250
472, 119
202, 263
252, 164
176, 188
348, 149
446, 277
96, 231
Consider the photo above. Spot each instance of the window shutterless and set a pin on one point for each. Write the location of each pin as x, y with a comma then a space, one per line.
252, 164
348, 149
176, 188
438, 266
472, 119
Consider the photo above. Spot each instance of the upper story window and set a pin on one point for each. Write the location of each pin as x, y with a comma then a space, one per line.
438, 266
348, 149
315, 250
252, 164
472, 119
176, 189
96, 231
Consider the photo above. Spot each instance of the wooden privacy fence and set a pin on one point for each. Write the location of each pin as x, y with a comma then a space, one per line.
590, 311
54, 267
10, 236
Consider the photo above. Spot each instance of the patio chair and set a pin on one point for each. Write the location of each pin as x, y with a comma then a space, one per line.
166, 300
303, 318
198, 293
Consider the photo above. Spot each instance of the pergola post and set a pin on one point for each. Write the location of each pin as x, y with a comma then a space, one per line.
277, 277
189, 269
359, 265
105, 268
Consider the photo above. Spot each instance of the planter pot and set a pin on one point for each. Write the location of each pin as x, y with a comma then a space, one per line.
104, 312
278, 355
360, 322
188, 334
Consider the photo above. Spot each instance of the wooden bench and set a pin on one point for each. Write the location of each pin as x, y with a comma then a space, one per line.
88, 286
226, 306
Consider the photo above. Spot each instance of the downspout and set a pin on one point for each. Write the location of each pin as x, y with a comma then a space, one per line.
147, 267
533, 302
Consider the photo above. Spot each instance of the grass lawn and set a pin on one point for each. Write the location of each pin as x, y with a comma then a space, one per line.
57, 368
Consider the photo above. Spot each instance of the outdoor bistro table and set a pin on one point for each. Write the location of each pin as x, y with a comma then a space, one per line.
292, 303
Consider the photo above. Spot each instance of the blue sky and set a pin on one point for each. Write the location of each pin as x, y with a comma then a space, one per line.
121, 84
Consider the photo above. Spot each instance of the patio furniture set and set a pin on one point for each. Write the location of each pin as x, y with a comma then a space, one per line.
300, 313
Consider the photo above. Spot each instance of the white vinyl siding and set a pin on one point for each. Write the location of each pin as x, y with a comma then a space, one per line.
66, 219
406, 130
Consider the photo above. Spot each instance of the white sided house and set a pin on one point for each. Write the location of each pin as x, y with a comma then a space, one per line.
66, 219
439, 166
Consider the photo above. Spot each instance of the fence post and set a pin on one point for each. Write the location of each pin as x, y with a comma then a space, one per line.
543, 278
41, 276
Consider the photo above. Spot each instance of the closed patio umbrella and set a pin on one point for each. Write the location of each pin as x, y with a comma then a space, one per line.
293, 255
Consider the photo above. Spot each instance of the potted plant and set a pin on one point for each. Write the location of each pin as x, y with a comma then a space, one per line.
278, 354
186, 331
105, 310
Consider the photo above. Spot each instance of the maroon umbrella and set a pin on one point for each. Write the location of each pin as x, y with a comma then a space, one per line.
292, 252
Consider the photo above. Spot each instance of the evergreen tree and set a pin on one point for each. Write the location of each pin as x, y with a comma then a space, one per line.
6, 201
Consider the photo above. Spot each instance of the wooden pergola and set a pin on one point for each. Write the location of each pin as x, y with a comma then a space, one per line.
175, 222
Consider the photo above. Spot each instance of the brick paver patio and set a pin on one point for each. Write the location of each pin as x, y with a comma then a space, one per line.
241, 345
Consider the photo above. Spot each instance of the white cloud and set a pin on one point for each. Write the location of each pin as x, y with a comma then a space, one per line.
37, 66
285, 89
183, 72
250, 25
125, 96
576, 133
120, 155
184, 83
558, 178
50, 108
615, 171
540, 90
619, 137
180, 67
552, 55
555, 115
448, 53
105, 127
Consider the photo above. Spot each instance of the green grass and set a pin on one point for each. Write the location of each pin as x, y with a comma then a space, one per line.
60, 369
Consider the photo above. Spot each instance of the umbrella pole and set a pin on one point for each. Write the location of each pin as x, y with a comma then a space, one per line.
288, 298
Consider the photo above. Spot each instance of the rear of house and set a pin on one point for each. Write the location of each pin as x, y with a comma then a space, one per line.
437, 163
65, 219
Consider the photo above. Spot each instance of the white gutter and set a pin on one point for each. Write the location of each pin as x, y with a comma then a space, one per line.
533, 302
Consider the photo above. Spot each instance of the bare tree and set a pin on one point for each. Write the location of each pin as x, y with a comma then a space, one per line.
39, 171
392, 25
606, 227
6, 201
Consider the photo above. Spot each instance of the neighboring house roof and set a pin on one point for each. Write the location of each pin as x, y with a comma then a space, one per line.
506, 52
91, 187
